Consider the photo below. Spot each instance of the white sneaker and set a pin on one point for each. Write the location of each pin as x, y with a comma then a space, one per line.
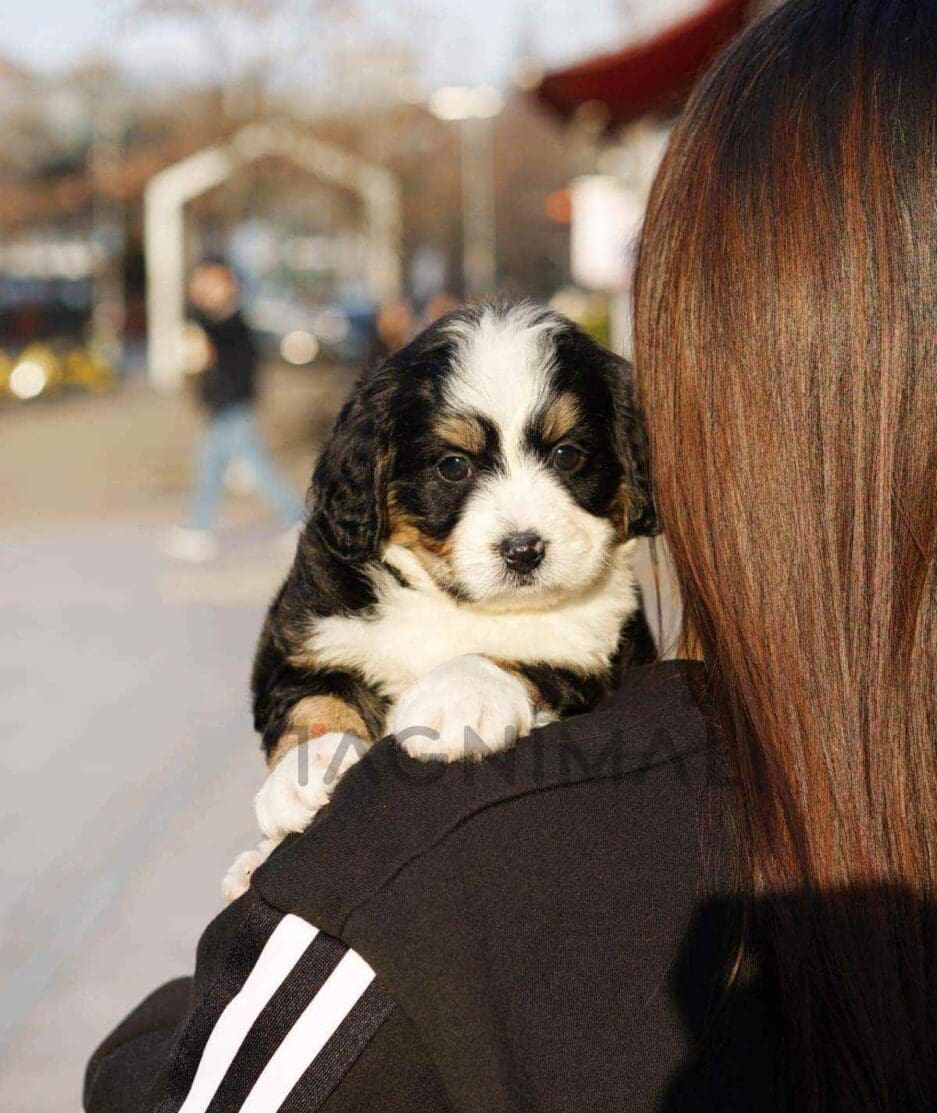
194, 546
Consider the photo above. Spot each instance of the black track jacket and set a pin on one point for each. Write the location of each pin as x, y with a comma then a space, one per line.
547, 930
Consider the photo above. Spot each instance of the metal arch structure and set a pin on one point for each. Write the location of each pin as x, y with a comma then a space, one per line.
168, 192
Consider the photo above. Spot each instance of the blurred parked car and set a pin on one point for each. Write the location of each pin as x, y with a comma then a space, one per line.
43, 348
41, 369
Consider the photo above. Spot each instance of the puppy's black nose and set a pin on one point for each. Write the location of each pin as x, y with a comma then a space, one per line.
522, 552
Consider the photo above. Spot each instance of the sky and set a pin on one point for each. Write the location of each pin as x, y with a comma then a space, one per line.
474, 41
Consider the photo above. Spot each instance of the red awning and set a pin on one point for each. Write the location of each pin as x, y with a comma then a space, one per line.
650, 77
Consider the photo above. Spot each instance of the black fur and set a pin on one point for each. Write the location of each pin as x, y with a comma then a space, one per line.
383, 451
568, 692
349, 484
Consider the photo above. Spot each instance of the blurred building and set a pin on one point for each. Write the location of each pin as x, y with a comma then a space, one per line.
627, 100
77, 150
86, 145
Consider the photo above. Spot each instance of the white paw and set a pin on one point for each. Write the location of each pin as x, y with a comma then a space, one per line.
468, 707
302, 781
238, 878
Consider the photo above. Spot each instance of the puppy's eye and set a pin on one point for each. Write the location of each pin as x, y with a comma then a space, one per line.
455, 469
567, 458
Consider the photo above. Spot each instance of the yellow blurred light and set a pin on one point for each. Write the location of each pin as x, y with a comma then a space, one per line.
299, 347
28, 379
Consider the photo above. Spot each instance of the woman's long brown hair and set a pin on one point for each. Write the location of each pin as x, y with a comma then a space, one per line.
786, 355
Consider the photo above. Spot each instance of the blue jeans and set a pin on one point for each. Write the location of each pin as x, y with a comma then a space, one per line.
232, 435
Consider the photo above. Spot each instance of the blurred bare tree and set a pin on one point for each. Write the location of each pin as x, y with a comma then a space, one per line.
251, 46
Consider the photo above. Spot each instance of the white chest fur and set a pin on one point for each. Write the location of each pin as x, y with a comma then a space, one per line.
414, 629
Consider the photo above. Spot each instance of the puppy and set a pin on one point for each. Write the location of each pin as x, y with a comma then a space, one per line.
465, 573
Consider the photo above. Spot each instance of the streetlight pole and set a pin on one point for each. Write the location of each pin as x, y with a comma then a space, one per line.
474, 109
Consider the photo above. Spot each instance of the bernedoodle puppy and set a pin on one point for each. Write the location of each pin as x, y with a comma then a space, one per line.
466, 570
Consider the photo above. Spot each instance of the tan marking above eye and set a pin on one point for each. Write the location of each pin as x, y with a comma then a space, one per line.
560, 417
463, 432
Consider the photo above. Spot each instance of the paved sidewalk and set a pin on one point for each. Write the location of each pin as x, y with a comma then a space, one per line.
129, 764
127, 754
128, 456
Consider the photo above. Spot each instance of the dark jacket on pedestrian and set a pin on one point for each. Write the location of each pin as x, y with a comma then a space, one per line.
552, 929
231, 379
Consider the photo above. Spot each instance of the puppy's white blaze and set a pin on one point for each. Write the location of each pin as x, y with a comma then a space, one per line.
501, 369
414, 630
528, 497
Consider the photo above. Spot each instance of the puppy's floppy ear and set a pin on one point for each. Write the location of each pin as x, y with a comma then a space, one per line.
644, 521
348, 495
634, 454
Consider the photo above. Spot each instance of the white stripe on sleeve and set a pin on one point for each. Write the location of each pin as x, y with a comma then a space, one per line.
283, 950
320, 1020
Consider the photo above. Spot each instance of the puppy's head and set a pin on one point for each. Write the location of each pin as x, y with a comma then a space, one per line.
501, 447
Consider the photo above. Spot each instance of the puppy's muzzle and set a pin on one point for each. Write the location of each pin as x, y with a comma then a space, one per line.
522, 552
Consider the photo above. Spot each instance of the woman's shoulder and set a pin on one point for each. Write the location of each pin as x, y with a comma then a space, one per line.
514, 933
647, 752
531, 908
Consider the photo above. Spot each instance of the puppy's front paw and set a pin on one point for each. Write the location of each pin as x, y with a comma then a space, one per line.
467, 707
301, 783
238, 878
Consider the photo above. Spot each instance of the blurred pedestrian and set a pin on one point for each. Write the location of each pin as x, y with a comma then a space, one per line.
228, 366
394, 328
438, 306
